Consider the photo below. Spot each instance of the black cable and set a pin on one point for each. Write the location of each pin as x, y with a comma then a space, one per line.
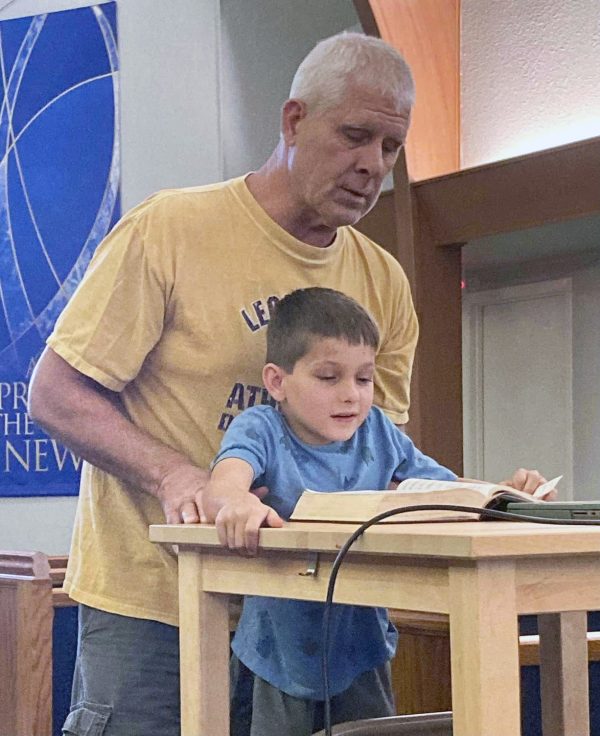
482, 513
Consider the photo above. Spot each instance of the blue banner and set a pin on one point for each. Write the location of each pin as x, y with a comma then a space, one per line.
59, 196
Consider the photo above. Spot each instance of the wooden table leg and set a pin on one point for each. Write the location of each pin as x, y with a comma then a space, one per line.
564, 674
484, 645
204, 652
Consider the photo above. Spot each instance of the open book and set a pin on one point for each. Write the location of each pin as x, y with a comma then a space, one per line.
360, 506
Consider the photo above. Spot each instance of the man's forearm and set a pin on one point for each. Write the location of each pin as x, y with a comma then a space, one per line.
89, 420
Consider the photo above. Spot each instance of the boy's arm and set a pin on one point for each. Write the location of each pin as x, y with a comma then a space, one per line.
237, 513
522, 479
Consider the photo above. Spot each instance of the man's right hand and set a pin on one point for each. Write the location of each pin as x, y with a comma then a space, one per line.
238, 523
91, 421
180, 494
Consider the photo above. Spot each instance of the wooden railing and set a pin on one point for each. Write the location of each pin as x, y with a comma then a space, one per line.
30, 589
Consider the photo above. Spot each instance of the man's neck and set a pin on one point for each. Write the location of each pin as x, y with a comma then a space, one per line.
270, 188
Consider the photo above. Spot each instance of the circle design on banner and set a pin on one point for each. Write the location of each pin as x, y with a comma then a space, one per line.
59, 167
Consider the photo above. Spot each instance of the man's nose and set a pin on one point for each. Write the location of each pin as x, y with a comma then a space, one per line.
371, 160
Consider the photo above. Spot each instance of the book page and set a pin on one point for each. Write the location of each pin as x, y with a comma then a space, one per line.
546, 487
359, 506
352, 494
425, 485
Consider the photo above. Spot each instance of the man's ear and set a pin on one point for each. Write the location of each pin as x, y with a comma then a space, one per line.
273, 376
292, 112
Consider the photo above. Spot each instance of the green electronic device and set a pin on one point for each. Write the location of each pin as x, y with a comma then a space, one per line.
557, 509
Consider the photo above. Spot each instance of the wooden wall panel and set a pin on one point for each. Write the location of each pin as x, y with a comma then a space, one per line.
436, 411
558, 184
399, 225
427, 33
380, 223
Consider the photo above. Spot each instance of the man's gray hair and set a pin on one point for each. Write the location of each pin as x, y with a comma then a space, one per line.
351, 59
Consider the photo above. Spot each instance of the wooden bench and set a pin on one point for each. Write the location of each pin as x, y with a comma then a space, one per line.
421, 668
30, 590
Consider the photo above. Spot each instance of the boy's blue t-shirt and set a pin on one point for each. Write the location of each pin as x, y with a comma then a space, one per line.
280, 639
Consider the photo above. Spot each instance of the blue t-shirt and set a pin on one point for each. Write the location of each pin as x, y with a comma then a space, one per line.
280, 639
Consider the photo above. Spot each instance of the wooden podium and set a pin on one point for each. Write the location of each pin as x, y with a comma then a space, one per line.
482, 574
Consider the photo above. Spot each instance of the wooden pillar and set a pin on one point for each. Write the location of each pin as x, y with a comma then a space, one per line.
400, 223
434, 273
437, 373
427, 34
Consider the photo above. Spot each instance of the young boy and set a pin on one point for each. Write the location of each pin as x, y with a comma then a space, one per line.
328, 436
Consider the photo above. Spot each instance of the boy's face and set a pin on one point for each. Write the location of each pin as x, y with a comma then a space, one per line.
329, 393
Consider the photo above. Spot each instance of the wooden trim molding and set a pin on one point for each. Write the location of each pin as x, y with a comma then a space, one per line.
527, 191
28, 564
366, 18
427, 34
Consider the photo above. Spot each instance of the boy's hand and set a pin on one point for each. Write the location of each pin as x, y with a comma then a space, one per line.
528, 481
238, 523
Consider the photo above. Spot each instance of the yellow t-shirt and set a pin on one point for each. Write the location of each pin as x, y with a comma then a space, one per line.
172, 314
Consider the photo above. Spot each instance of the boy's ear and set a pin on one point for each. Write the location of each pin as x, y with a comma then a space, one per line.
273, 376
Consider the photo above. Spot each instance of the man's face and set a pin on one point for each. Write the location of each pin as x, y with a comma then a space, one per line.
339, 157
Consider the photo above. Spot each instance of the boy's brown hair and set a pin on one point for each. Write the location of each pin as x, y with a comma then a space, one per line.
316, 312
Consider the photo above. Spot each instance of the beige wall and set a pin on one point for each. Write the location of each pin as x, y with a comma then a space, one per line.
530, 76
260, 50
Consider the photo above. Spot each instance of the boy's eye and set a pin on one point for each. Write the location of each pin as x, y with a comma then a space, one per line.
365, 379
326, 378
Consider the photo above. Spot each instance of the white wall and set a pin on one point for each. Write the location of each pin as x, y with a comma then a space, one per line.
531, 80
262, 43
586, 380
170, 128
530, 76
170, 136
583, 268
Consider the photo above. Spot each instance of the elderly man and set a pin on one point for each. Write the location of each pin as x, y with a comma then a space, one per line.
164, 342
